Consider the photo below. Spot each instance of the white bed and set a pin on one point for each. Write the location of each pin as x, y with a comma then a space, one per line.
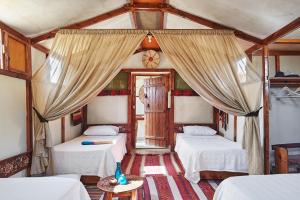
209, 153
92, 160
46, 188
260, 187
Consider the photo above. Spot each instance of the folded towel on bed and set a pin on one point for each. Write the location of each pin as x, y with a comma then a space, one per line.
87, 142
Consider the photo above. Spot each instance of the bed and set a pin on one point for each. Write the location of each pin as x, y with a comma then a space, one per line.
210, 157
92, 160
46, 188
260, 187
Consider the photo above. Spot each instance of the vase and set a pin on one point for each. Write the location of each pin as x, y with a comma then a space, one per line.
118, 172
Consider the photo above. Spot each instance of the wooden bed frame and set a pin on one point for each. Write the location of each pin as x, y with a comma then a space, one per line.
124, 128
178, 129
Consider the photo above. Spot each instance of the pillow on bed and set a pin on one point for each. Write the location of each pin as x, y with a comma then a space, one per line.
102, 130
199, 130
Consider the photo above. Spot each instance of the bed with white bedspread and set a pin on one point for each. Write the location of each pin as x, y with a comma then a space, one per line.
45, 188
260, 187
209, 153
92, 160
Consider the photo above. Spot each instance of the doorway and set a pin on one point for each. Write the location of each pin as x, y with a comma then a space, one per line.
150, 109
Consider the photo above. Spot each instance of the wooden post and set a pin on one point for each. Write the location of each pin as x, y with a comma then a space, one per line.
265, 79
235, 128
29, 132
277, 63
63, 134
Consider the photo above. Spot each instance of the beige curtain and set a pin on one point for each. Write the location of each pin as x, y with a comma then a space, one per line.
214, 65
81, 63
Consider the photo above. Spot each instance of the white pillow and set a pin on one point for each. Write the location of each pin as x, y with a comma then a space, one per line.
199, 130
102, 130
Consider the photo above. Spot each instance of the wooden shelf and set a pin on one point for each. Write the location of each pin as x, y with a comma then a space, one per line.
285, 81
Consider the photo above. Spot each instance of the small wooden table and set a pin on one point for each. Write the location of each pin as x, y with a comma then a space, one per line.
129, 190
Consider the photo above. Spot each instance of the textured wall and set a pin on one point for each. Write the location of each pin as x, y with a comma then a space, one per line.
12, 117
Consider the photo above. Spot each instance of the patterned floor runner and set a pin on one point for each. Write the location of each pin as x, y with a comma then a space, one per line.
163, 179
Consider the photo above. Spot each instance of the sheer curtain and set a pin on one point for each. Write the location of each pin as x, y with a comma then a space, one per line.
214, 65
81, 63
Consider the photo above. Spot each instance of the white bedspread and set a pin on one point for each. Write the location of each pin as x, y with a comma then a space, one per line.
213, 153
96, 160
45, 188
260, 187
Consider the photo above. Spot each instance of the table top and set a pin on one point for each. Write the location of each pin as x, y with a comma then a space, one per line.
134, 182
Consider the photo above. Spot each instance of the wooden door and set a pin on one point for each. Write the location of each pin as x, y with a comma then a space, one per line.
156, 123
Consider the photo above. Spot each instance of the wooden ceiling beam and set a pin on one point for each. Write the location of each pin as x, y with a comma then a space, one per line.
158, 7
283, 31
278, 53
278, 34
41, 48
287, 41
211, 24
82, 24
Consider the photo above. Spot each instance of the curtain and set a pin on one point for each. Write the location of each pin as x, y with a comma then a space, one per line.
80, 64
214, 65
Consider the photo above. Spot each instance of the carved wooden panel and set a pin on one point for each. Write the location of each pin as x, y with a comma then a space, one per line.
15, 164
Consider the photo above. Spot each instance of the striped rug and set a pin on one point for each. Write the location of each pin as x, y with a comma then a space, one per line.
163, 179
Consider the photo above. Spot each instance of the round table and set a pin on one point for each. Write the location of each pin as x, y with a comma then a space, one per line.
129, 190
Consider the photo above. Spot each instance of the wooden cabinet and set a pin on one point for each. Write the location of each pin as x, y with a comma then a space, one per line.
15, 56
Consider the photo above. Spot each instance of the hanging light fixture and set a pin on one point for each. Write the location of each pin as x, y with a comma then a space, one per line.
149, 38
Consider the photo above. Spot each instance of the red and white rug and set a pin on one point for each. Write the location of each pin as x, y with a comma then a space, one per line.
163, 179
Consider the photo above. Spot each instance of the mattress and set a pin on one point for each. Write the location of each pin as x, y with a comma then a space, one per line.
46, 188
260, 187
94, 160
209, 153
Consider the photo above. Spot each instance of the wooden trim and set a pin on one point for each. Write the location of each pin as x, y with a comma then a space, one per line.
265, 79
234, 128
13, 32
278, 34
279, 53
287, 146
84, 119
171, 111
15, 164
29, 132
252, 49
143, 70
285, 81
211, 24
82, 24
219, 174
114, 92
63, 130
41, 48
184, 93
287, 41
283, 31
277, 63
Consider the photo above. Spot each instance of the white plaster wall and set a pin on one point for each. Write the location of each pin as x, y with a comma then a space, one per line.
12, 116
257, 62
37, 58
55, 132
192, 109
70, 130
290, 64
108, 109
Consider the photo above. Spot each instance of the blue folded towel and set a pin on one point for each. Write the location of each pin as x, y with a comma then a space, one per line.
87, 142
